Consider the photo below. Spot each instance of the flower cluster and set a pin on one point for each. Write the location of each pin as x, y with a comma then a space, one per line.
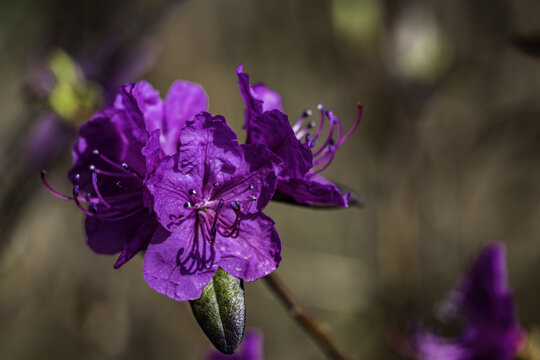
168, 178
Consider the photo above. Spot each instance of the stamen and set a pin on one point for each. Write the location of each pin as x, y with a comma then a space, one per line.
124, 166
192, 192
51, 190
356, 122
187, 204
328, 138
298, 124
216, 215
251, 186
216, 184
96, 189
76, 192
320, 107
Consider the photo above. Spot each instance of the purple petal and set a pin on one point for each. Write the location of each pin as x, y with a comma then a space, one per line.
139, 242
110, 237
485, 303
255, 253
257, 180
161, 264
150, 105
312, 191
152, 151
209, 146
184, 100
271, 99
272, 128
109, 132
254, 105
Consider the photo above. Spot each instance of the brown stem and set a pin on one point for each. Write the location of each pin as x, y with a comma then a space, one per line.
310, 325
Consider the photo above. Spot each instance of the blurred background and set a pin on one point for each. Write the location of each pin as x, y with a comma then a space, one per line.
446, 158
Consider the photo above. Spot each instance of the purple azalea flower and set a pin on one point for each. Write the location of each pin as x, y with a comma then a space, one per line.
485, 304
251, 349
305, 152
114, 155
209, 199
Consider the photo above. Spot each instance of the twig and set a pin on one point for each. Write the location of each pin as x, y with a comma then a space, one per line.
310, 325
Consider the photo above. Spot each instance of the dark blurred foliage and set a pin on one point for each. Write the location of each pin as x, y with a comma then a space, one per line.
446, 158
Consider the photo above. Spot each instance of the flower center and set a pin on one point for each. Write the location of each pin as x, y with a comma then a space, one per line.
323, 156
120, 202
221, 216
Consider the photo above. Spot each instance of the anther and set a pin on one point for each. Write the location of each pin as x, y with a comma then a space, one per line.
125, 166
76, 190
88, 196
254, 198
216, 184
320, 106
313, 143
119, 185
92, 167
251, 186
95, 152
234, 206
93, 208
192, 192
187, 204
311, 125
308, 137
76, 178
306, 113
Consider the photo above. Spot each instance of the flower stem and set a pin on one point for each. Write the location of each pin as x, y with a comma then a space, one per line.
309, 324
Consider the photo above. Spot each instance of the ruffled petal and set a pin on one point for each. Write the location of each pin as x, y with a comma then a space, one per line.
162, 268
255, 253
209, 150
272, 128
257, 182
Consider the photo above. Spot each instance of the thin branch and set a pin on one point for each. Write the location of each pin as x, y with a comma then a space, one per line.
309, 324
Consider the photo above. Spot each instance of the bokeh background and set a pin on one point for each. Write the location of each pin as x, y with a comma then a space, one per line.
446, 158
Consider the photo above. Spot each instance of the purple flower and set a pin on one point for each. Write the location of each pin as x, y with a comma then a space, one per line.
251, 349
113, 156
209, 199
485, 304
304, 150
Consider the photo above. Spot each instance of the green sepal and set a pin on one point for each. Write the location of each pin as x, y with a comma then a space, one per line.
221, 311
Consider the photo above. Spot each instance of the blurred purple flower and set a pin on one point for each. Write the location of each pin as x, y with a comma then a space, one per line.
209, 199
113, 156
251, 349
486, 306
305, 152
